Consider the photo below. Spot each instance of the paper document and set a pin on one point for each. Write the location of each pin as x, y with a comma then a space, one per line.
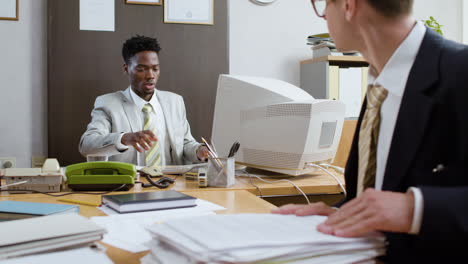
97, 15
128, 231
72, 256
246, 238
46, 233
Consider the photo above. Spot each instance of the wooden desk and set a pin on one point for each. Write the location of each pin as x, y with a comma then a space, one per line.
339, 60
310, 184
235, 201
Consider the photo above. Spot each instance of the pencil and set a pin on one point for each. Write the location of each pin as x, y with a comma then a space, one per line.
213, 155
78, 202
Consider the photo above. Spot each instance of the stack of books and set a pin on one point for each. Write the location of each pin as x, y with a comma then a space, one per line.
323, 45
319, 39
255, 238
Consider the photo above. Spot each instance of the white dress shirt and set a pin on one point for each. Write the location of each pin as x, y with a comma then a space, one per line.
394, 77
161, 132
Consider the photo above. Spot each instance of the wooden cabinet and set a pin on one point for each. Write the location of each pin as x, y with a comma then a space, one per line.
336, 77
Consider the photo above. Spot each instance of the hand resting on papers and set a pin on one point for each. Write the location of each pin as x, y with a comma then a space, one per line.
371, 211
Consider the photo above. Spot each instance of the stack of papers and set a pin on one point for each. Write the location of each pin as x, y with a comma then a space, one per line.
322, 45
128, 231
255, 238
71, 256
318, 39
46, 233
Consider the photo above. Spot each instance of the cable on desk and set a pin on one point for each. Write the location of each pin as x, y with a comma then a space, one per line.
339, 169
281, 180
253, 184
329, 173
63, 194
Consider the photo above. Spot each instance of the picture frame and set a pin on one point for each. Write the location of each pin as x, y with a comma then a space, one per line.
9, 10
198, 12
144, 2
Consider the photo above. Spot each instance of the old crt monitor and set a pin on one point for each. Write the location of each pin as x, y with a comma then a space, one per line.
280, 127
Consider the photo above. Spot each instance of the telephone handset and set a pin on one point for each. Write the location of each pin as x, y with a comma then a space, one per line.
51, 166
101, 176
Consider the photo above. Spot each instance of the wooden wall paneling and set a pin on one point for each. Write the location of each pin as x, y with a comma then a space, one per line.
85, 64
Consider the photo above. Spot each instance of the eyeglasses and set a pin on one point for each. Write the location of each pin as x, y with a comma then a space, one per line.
319, 7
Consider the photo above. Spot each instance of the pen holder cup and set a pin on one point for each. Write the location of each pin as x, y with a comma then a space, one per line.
220, 172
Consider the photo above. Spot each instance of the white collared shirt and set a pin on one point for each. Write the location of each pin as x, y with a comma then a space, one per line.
158, 116
394, 77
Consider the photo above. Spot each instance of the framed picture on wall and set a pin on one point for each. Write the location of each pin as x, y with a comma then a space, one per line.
9, 9
143, 2
189, 12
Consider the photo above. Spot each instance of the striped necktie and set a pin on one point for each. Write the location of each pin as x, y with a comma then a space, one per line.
368, 137
153, 155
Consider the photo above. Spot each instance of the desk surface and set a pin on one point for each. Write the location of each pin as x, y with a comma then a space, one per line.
319, 183
310, 184
235, 201
239, 198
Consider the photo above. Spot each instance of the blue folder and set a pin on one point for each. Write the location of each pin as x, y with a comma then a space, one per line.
10, 210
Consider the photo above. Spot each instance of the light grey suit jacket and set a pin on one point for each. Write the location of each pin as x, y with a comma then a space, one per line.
115, 113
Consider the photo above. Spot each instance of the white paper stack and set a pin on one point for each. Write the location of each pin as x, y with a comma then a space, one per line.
255, 238
46, 233
71, 256
128, 232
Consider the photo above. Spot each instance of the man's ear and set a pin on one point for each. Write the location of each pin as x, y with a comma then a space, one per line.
125, 68
350, 9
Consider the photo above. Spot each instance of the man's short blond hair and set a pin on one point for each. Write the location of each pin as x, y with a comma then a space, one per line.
392, 8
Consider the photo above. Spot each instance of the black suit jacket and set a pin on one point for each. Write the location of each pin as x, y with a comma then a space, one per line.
431, 129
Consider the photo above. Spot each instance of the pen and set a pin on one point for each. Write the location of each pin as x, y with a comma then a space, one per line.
213, 146
213, 153
215, 160
207, 145
79, 202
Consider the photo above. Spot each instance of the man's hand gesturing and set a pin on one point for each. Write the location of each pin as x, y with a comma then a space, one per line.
141, 140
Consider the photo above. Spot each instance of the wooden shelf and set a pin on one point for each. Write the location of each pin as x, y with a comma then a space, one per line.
339, 60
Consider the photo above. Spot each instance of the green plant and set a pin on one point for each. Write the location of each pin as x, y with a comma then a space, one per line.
434, 25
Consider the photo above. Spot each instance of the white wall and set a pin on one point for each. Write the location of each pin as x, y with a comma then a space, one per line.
448, 13
23, 83
270, 40
465, 21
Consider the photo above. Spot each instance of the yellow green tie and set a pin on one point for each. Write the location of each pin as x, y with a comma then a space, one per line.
368, 137
153, 155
